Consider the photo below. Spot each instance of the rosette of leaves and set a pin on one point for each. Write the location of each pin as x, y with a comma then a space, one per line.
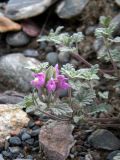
106, 30
64, 41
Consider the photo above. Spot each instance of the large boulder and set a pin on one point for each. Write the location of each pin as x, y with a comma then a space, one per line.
13, 74
12, 118
17, 10
71, 8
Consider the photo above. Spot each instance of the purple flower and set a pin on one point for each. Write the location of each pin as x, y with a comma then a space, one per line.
39, 80
62, 82
51, 85
57, 70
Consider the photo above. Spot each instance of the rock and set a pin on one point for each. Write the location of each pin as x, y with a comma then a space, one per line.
15, 150
35, 132
113, 154
7, 25
14, 74
117, 2
104, 139
74, 62
64, 57
31, 53
1, 157
57, 140
52, 58
29, 157
16, 10
116, 22
11, 118
30, 141
15, 141
30, 28
17, 39
11, 98
71, 8
90, 30
98, 43
7, 155
63, 93
25, 136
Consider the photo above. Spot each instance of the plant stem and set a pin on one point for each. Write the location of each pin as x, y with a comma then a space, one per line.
80, 58
46, 113
110, 56
70, 96
114, 65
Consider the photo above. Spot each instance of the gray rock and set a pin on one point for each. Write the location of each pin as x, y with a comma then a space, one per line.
30, 141
117, 2
17, 39
98, 43
113, 154
14, 150
104, 139
70, 8
14, 74
116, 22
28, 8
63, 93
90, 30
64, 57
52, 58
1, 157
57, 140
31, 53
74, 62
35, 132
7, 154
10, 99
15, 140
25, 136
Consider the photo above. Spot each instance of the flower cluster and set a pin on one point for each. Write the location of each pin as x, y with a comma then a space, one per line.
52, 84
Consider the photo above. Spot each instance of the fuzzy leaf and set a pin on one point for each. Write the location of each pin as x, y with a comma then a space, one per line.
84, 96
27, 102
77, 37
103, 95
38, 68
89, 73
103, 107
61, 109
105, 21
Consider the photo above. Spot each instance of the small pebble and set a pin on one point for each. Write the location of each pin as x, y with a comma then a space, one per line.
17, 39
14, 149
31, 124
29, 157
25, 136
15, 140
7, 154
35, 132
64, 57
52, 58
30, 141
31, 53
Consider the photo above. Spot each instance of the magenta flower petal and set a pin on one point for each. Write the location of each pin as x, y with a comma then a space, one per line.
39, 80
51, 85
57, 70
